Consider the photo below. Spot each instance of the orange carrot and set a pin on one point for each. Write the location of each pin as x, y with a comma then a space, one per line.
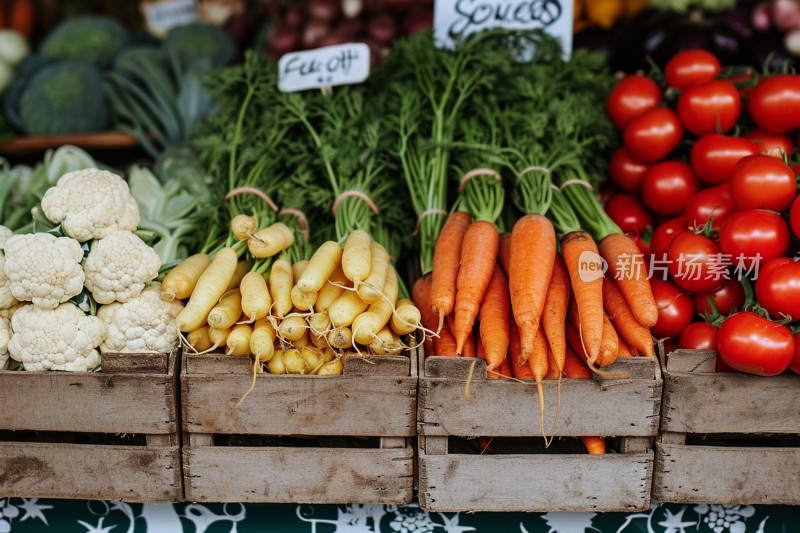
618, 310
478, 258
625, 349
495, 314
421, 294
446, 261
538, 363
555, 312
504, 251
609, 346
594, 445
626, 265
445, 343
533, 252
580, 254
574, 367
504, 370
519, 369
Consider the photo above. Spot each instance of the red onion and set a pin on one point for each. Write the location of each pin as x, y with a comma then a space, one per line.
282, 41
294, 16
792, 42
314, 31
786, 14
761, 20
352, 8
323, 9
382, 28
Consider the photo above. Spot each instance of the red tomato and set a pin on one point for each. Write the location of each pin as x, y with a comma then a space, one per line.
762, 182
653, 135
778, 290
663, 236
751, 238
714, 156
727, 298
794, 366
644, 246
631, 97
750, 343
674, 309
774, 104
713, 106
706, 203
629, 213
775, 262
771, 143
667, 187
625, 171
794, 217
696, 263
691, 67
699, 336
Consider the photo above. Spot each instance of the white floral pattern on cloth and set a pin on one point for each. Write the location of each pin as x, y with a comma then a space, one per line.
727, 518
10, 512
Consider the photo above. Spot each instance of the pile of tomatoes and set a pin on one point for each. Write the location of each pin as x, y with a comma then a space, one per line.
704, 181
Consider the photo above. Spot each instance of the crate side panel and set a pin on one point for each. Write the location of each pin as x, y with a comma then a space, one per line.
92, 472
620, 407
298, 475
712, 474
95, 402
535, 483
300, 405
730, 403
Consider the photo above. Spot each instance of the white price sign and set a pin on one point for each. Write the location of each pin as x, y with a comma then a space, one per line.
163, 15
454, 18
341, 64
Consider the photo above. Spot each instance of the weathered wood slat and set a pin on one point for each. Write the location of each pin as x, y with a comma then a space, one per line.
85, 471
137, 363
714, 474
89, 402
195, 364
730, 403
535, 483
692, 361
305, 405
458, 368
623, 407
298, 475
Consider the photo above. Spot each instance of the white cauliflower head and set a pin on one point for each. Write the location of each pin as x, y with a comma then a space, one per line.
64, 338
91, 204
7, 299
118, 266
143, 324
43, 269
5, 336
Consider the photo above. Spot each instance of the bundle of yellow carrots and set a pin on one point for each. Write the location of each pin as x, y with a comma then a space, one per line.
297, 318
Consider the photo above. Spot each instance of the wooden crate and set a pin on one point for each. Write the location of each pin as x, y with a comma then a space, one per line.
626, 408
725, 408
375, 398
62, 431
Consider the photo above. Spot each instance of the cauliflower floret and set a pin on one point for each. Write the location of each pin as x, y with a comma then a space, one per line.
5, 336
118, 266
7, 299
91, 204
64, 338
144, 324
43, 269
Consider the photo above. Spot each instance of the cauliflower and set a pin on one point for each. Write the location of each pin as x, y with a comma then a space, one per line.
118, 266
143, 324
5, 335
7, 299
91, 204
64, 338
43, 269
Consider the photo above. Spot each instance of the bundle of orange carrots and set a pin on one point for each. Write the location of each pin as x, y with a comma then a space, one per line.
531, 312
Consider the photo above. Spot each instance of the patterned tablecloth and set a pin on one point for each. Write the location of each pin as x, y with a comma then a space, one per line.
20, 515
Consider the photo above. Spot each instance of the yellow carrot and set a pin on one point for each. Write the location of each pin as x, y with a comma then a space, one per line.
270, 241
209, 289
320, 267
357, 256
181, 280
280, 287
227, 311
370, 289
255, 296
